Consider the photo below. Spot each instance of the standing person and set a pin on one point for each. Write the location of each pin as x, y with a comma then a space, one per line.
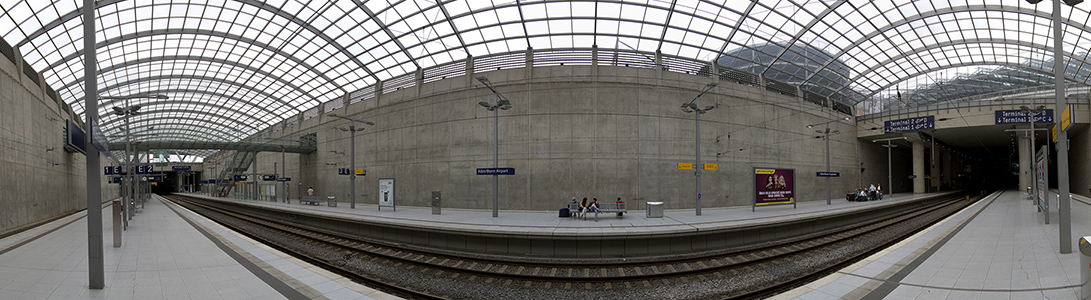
594, 207
879, 190
871, 192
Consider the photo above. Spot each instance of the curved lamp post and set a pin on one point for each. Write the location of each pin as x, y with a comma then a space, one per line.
694, 106
498, 102
352, 153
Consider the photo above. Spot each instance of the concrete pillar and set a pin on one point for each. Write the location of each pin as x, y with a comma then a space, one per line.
420, 80
1023, 143
934, 168
469, 71
918, 166
378, 93
594, 62
530, 63
658, 67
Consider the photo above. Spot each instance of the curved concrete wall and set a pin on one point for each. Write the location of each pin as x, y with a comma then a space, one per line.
619, 133
38, 179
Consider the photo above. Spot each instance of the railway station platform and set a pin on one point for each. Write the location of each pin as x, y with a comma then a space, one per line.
998, 248
167, 253
540, 222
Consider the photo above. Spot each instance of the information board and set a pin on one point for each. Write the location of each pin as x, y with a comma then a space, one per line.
774, 187
1017, 116
910, 124
386, 193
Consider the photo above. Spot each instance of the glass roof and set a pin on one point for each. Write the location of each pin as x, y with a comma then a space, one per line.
233, 68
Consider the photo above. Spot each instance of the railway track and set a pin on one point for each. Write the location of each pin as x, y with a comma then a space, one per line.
751, 272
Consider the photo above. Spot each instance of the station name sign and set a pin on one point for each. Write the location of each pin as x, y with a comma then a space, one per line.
828, 174
495, 171
1015, 116
910, 124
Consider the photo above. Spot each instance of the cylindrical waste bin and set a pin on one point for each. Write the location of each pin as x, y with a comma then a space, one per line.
435, 202
331, 201
655, 209
1085, 267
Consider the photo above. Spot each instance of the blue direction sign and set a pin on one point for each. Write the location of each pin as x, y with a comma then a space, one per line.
116, 180
1015, 116
495, 171
284, 179
829, 174
268, 177
144, 169
240, 177
112, 170
344, 171
212, 181
204, 181
180, 168
155, 178
910, 124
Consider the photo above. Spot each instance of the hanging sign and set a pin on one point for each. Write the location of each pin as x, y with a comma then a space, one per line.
1017, 116
910, 124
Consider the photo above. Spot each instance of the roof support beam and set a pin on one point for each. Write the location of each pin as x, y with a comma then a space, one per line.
75, 84
795, 38
663, 36
735, 29
261, 92
386, 29
451, 22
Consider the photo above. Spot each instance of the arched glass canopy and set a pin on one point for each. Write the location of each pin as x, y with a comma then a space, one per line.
233, 68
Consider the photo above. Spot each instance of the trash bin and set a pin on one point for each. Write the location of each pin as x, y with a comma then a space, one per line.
1085, 267
655, 209
435, 202
331, 201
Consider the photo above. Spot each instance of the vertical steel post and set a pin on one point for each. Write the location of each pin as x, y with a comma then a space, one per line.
352, 163
697, 160
1064, 205
96, 276
1033, 162
284, 173
496, 154
829, 194
889, 168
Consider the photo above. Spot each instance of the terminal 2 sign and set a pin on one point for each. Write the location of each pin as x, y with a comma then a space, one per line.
1015, 116
910, 124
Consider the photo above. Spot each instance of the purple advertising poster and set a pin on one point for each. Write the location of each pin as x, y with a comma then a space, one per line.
774, 186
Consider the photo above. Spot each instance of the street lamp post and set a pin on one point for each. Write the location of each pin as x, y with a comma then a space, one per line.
498, 102
829, 189
694, 106
127, 112
1064, 212
352, 156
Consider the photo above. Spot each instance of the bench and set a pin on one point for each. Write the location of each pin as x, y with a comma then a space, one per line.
573, 209
619, 208
312, 200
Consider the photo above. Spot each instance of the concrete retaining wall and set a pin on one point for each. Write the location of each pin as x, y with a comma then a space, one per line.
38, 179
570, 134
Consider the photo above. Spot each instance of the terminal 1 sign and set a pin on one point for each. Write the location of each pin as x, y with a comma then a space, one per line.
910, 124
1016, 116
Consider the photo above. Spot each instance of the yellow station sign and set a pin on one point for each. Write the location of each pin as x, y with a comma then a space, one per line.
685, 166
711, 167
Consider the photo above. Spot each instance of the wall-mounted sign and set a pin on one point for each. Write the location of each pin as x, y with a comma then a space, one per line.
284, 179
495, 171
685, 166
344, 171
111, 170
180, 168
910, 124
144, 169
1016, 116
829, 174
712, 167
240, 177
1066, 118
268, 177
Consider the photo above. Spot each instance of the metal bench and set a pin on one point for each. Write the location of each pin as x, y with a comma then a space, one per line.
619, 208
573, 209
312, 200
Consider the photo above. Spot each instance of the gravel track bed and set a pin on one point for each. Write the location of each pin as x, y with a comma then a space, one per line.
742, 280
